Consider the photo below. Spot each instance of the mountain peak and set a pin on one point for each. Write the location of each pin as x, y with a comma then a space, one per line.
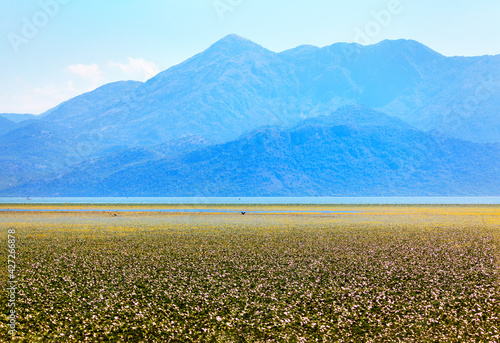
356, 115
234, 38
235, 44
410, 45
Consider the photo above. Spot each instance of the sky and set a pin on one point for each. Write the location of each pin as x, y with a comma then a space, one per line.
53, 50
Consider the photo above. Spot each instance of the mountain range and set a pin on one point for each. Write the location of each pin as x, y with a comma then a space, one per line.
394, 118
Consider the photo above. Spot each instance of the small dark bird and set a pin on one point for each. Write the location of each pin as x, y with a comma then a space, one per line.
243, 213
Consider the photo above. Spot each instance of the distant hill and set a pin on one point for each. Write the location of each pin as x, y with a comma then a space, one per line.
236, 86
17, 117
80, 110
6, 125
32, 151
364, 154
40, 147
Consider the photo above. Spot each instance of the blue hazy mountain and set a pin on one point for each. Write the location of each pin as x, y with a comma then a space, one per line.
354, 151
18, 117
90, 106
237, 86
456, 96
31, 151
6, 125
12, 121
59, 137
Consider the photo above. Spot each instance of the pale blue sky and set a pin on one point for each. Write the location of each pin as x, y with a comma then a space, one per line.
85, 44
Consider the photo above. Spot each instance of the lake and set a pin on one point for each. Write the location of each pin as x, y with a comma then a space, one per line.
259, 200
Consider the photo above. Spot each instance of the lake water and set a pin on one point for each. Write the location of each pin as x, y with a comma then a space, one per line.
182, 210
260, 200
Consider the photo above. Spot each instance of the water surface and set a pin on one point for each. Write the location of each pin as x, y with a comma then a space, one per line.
259, 200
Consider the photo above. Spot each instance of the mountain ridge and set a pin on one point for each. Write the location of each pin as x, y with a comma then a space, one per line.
237, 86
314, 158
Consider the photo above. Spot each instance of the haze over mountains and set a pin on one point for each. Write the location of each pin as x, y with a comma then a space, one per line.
395, 118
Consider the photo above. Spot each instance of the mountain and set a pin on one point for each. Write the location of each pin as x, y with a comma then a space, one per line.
17, 117
237, 86
233, 86
40, 147
6, 125
101, 167
89, 106
352, 152
457, 96
31, 152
